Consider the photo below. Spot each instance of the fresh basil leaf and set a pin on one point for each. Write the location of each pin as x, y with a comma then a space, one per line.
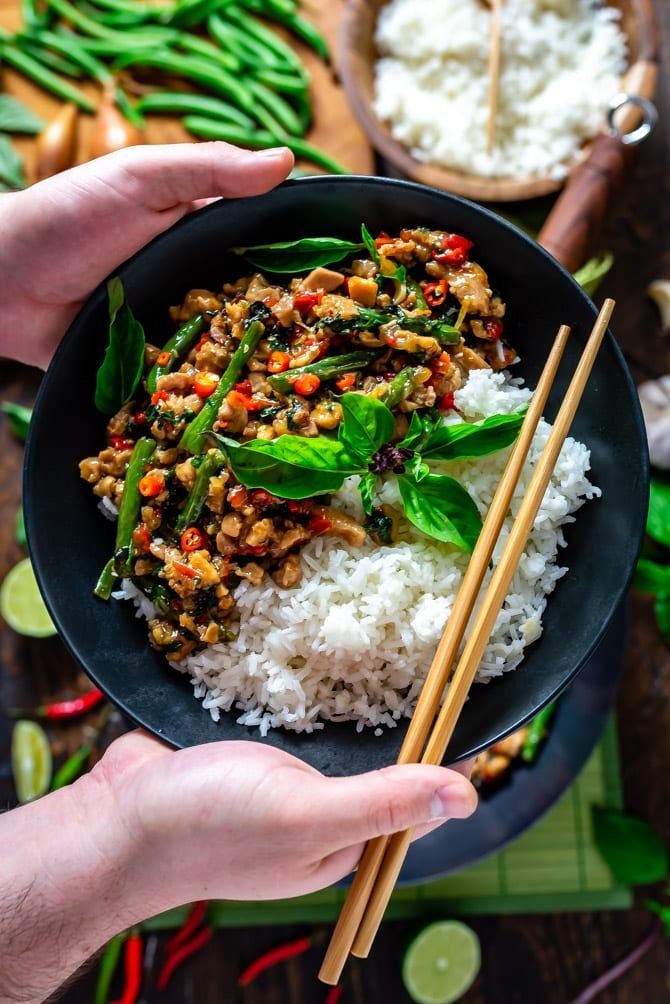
16, 117
121, 369
421, 425
441, 508
366, 487
661, 911
633, 851
465, 441
662, 615
658, 517
20, 529
650, 577
11, 165
298, 256
418, 468
291, 467
367, 424
18, 418
590, 275
369, 243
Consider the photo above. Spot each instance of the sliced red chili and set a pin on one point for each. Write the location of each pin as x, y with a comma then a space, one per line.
164, 358
240, 400
436, 293
142, 539
382, 239
244, 387
346, 381
278, 362
319, 524
493, 328
447, 401
205, 384
151, 485
159, 395
298, 508
184, 569
306, 384
203, 341
454, 250
238, 496
139, 418
192, 539
304, 302
121, 443
282, 953
260, 498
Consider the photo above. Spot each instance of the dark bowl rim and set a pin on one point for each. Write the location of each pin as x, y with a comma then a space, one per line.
346, 181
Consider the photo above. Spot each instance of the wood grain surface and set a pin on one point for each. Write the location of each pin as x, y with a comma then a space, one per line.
526, 959
334, 130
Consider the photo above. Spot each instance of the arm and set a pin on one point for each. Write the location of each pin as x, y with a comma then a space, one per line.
88, 861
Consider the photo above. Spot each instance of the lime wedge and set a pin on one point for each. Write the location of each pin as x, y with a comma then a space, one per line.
21, 604
441, 963
31, 761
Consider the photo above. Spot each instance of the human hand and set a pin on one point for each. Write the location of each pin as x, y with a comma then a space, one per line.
239, 820
60, 238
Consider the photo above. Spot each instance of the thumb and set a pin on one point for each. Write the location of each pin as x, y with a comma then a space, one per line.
355, 809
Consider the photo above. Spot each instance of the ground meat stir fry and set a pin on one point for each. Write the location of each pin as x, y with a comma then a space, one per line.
405, 325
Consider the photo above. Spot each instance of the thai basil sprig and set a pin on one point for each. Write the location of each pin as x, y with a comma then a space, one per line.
295, 467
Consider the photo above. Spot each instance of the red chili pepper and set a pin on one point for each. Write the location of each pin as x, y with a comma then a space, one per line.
205, 384
163, 358
159, 395
382, 239
303, 302
447, 401
142, 538
151, 485
319, 524
278, 362
181, 954
493, 328
203, 341
139, 418
306, 384
282, 953
238, 496
298, 508
260, 498
244, 387
133, 961
236, 397
74, 706
184, 569
346, 381
258, 549
454, 250
196, 915
192, 539
436, 292
334, 995
121, 443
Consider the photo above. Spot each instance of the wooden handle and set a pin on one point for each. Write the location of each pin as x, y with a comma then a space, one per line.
573, 225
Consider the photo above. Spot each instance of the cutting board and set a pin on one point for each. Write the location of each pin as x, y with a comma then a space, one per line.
334, 130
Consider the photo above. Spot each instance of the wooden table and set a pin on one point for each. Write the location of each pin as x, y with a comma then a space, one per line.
526, 959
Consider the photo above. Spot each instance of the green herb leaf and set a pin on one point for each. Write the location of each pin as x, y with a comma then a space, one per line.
291, 467
650, 577
122, 366
421, 425
20, 529
16, 117
298, 256
418, 468
590, 275
11, 165
366, 425
369, 243
18, 418
369, 319
367, 487
441, 508
661, 911
633, 851
465, 441
662, 614
658, 517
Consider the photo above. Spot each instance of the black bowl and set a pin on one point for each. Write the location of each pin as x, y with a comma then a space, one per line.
70, 542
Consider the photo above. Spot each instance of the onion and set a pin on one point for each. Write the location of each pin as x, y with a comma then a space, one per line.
111, 131
57, 144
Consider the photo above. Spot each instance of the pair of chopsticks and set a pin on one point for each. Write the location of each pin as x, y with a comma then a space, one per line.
382, 858
495, 46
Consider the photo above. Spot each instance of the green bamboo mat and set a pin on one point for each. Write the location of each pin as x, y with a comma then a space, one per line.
553, 866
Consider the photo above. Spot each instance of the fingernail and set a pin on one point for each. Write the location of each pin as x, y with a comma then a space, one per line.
453, 801
275, 151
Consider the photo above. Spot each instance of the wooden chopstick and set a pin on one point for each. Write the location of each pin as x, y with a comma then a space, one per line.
431, 694
494, 71
484, 622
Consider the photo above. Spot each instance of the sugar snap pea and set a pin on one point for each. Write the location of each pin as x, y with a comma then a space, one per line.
131, 501
203, 422
176, 348
325, 369
43, 76
106, 580
212, 463
184, 103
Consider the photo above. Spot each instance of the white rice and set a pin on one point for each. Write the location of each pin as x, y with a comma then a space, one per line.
355, 639
562, 61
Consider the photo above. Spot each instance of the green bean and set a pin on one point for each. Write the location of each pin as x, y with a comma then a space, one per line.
72, 767
69, 46
111, 19
109, 48
402, 385
211, 464
184, 103
108, 963
192, 12
294, 22
201, 47
34, 18
154, 35
131, 501
537, 731
276, 105
414, 287
176, 347
50, 59
325, 369
303, 106
192, 68
203, 422
106, 580
149, 13
44, 77
250, 50
128, 109
259, 140
253, 28
284, 82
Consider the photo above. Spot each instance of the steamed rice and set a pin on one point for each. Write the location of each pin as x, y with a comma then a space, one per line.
355, 639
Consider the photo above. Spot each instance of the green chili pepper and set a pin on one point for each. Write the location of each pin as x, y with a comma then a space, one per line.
72, 768
106, 580
203, 422
180, 102
537, 731
108, 963
177, 347
131, 502
259, 140
402, 385
43, 77
325, 369
212, 463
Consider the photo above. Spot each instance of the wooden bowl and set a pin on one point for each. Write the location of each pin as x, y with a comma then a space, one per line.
357, 57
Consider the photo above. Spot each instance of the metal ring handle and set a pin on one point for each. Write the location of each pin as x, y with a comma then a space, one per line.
649, 118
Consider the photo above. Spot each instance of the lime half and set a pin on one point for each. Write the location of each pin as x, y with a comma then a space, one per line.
21, 604
31, 761
441, 963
